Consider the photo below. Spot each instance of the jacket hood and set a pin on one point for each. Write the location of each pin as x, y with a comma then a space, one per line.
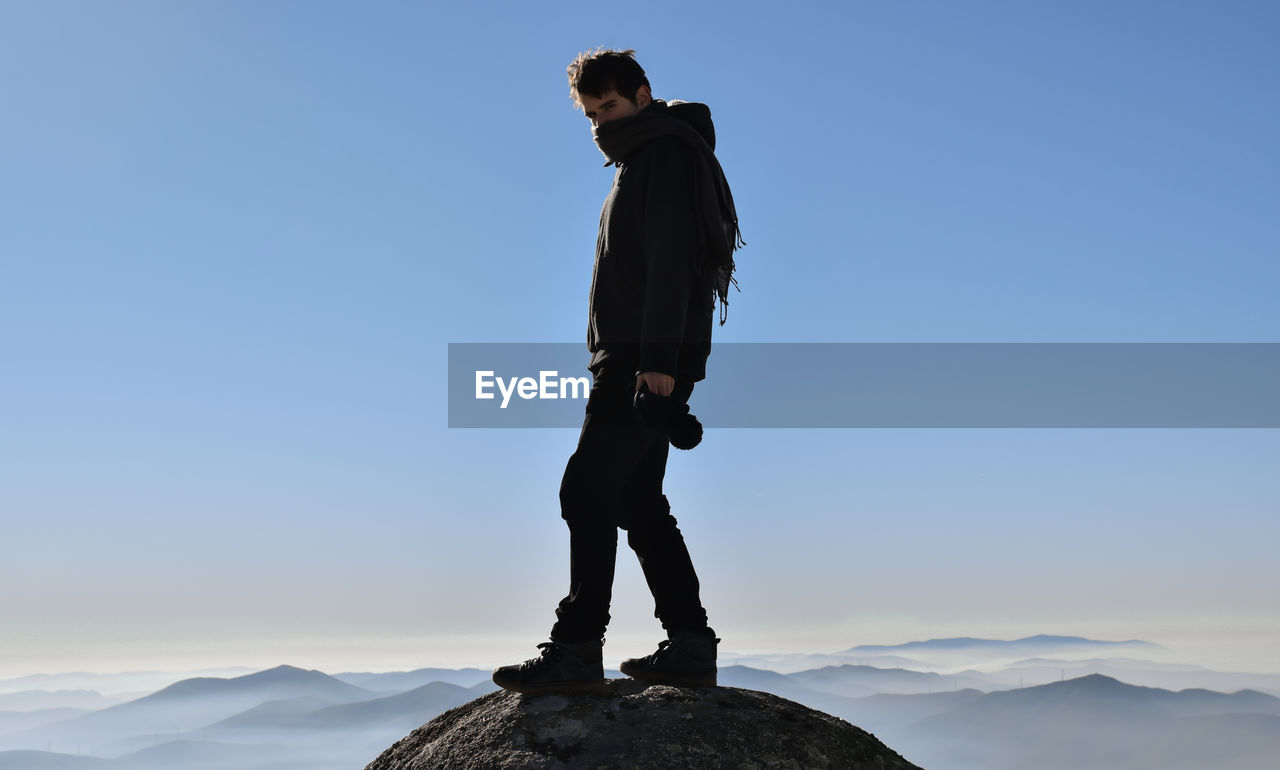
695, 114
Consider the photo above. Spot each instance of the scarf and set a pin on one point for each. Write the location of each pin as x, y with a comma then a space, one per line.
619, 139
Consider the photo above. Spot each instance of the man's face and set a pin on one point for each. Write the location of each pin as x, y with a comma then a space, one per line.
611, 105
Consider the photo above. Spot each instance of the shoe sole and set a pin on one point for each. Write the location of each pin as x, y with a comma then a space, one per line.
548, 689
677, 680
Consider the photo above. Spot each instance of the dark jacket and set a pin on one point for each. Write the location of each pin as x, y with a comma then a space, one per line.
651, 305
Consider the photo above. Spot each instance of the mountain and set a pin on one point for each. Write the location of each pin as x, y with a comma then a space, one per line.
272, 715
861, 681
1095, 701
1092, 721
342, 733
1103, 698
401, 712
1168, 676
996, 646
396, 713
486, 687
1114, 661
187, 705
1097, 721
887, 714
785, 686
765, 681
136, 683
336, 735
272, 680
401, 681
792, 662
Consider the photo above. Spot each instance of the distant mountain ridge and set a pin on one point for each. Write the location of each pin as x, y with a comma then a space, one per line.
937, 654
969, 644
1125, 725
399, 681
30, 700
860, 681
137, 683
285, 676
190, 704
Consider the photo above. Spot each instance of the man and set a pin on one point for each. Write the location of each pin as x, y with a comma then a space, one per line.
668, 230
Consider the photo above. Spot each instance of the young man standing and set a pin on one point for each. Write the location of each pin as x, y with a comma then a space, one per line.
664, 252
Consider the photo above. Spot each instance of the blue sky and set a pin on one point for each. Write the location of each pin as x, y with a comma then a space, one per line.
237, 239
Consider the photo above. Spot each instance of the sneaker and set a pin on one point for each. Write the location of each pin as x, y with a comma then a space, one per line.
561, 667
687, 659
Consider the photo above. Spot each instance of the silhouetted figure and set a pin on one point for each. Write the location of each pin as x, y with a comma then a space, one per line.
664, 253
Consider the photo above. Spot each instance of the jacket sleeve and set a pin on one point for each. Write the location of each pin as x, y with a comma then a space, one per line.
670, 251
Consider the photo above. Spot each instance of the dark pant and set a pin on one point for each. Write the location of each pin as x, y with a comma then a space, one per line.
614, 480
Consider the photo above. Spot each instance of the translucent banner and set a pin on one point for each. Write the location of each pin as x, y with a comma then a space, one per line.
900, 385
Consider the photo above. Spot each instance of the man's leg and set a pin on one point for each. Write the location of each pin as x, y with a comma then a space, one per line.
610, 447
653, 534
668, 570
584, 613
688, 656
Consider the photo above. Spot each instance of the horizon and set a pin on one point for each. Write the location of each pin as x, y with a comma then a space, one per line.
1155, 652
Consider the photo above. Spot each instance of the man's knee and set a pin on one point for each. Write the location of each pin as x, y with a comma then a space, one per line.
584, 497
576, 489
643, 517
574, 503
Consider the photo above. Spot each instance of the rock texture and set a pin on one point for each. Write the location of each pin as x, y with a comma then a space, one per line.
633, 726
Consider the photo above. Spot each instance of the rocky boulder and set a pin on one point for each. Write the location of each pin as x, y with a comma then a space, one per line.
633, 726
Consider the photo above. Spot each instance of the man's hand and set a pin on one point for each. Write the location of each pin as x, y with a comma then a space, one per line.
659, 383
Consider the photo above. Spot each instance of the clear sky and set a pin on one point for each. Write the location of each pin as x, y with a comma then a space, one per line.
236, 239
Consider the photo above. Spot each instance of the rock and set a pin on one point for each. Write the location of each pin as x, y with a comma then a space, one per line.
633, 726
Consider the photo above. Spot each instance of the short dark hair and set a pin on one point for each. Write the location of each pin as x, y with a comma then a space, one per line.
599, 71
